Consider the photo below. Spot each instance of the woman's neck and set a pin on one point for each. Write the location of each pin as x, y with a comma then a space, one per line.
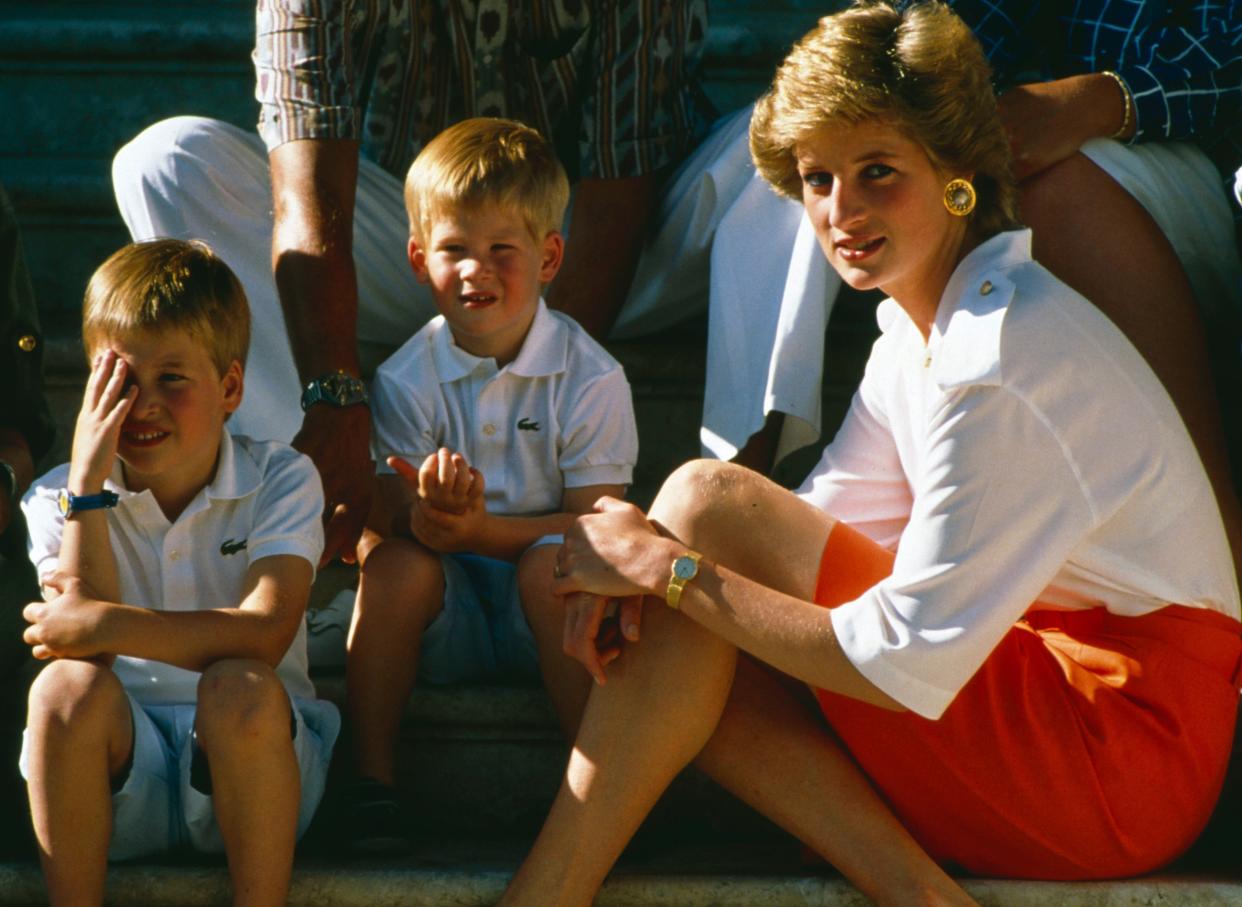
921, 299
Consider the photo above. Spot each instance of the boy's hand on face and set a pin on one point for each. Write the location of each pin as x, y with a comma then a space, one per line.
105, 405
66, 625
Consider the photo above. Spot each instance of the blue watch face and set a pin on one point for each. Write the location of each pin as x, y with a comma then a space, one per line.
685, 567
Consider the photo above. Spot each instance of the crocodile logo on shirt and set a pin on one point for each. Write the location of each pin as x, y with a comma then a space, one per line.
526, 424
230, 546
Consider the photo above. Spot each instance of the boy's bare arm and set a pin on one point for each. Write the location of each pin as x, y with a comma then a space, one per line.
85, 546
76, 623
506, 537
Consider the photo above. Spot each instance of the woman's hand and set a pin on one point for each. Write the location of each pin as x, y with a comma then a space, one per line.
615, 552
105, 405
612, 556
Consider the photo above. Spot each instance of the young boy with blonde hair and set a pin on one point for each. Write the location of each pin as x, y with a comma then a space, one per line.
176, 560
499, 422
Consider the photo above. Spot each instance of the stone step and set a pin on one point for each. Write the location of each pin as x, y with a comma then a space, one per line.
467, 875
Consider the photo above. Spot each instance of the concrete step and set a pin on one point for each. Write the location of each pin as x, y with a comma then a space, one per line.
469, 875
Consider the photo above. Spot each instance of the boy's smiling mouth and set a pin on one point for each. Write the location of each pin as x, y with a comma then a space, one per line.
477, 299
142, 436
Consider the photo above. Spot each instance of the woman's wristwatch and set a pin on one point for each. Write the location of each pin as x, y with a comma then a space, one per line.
685, 568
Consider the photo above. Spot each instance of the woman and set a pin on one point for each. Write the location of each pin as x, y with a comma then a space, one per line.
1007, 581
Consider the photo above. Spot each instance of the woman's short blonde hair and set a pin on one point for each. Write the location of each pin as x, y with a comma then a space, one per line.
487, 160
919, 68
169, 284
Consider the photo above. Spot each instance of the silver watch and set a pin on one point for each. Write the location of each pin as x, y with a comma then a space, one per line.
338, 389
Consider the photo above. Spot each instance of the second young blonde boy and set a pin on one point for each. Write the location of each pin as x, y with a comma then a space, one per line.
499, 421
177, 559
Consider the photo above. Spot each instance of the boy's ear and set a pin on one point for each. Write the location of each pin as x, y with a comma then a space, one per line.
418, 260
234, 384
553, 255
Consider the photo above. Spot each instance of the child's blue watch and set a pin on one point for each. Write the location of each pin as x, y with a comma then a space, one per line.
70, 503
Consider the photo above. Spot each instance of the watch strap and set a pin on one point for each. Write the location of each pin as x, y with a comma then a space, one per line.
338, 389
71, 503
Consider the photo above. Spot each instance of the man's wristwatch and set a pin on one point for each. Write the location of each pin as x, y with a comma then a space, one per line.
337, 389
685, 568
70, 503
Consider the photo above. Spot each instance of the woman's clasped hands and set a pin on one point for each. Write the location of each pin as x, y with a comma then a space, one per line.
610, 559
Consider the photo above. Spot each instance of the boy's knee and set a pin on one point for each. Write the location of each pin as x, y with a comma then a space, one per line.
402, 563
534, 575
78, 692
240, 700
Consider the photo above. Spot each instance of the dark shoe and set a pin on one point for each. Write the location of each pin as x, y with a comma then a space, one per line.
373, 824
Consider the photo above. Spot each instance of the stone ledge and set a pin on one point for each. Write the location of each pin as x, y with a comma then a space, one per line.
390, 885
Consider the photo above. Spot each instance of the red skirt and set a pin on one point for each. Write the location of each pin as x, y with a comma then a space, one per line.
1087, 746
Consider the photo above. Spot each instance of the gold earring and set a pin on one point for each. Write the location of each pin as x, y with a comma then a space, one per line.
959, 197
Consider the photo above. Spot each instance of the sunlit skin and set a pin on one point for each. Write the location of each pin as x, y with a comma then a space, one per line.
180, 403
485, 270
875, 201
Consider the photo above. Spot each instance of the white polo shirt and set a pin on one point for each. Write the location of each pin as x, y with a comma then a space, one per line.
266, 499
558, 416
1026, 453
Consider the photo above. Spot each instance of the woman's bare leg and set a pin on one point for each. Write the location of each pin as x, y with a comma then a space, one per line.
663, 705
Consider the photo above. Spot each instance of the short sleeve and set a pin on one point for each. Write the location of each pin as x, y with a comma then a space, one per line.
999, 510
44, 524
400, 424
302, 84
289, 509
600, 437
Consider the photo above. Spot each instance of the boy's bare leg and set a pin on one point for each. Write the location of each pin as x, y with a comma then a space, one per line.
566, 681
400, 592
81, 737
663, 703
243, 725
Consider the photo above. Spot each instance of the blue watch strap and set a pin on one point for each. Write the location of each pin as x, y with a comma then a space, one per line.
71, 503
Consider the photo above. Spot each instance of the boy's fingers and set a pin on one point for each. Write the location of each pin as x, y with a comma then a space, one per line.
404, 468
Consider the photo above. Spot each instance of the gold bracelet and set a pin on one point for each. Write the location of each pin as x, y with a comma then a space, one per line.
1126, 99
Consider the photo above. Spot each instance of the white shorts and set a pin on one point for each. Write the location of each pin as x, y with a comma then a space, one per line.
165, 804
481, 634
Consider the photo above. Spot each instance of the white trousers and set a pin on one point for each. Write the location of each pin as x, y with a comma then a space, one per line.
773, 290
196, 178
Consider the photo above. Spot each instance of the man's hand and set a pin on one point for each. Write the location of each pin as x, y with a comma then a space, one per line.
338, 440
1049, 121
67, 625
105, 405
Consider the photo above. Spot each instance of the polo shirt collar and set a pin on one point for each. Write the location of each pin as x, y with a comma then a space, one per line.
237, 476
972, 311
545, 351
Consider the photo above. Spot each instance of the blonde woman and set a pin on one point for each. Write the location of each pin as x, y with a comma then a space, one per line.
1007, 584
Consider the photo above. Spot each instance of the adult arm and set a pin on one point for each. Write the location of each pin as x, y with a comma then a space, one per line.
313, 186
608, 225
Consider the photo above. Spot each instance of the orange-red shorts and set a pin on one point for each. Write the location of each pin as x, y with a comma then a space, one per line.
1087, 746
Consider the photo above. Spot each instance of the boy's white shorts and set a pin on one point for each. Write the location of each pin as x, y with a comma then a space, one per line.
158, 808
